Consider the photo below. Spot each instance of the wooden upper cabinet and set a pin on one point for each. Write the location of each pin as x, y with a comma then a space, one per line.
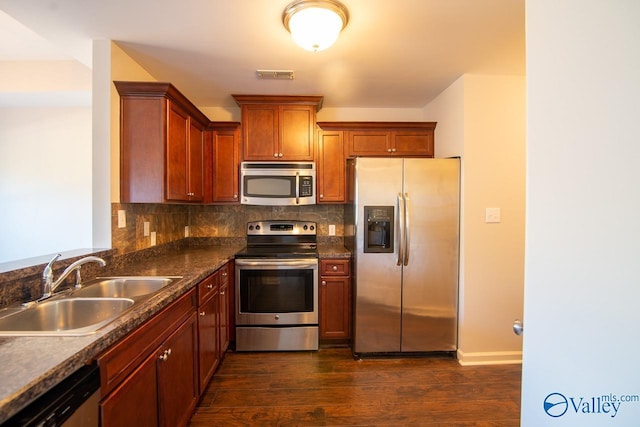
222, 162
278, 127
330, 167
384, 139
161, 144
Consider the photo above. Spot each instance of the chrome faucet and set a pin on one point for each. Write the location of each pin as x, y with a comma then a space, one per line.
48, 284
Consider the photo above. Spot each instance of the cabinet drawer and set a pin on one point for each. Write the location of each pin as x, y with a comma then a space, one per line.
208, 286
334, 267
124, 357
224, 274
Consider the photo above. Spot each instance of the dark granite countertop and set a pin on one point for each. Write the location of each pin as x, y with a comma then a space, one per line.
32, 365
333, 251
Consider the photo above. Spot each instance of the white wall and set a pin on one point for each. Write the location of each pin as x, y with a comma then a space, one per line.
582, 283
45, 180
481, 119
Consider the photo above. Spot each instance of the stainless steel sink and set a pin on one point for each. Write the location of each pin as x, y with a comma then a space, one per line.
66, 316
123, 287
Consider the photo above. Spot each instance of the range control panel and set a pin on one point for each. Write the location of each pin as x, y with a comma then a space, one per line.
281, 228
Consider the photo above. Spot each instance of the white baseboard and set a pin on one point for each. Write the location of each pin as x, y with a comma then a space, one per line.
489, 358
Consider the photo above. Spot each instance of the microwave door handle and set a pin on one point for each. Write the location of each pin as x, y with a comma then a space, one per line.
297, 188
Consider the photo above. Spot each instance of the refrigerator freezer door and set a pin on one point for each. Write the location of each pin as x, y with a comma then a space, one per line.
430, 280
377, 275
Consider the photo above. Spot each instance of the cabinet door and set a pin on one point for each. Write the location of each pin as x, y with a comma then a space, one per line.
412, 143
368, 143
208, 339
196, 168
135, 401
177, 375
260, 132
335, 300
177, 156
330, 163
224, 318
297, 126
226, 162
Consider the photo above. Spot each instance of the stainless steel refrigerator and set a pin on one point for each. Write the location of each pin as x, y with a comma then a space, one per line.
403, 229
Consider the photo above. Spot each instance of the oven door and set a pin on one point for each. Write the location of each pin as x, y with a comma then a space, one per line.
276, 292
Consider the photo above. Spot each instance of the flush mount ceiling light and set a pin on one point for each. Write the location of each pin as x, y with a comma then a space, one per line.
315, 24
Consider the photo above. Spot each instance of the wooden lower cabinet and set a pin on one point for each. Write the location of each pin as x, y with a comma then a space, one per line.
335, 300
135, 401
149, 378
178, 390
154, 376
208, 327
213, 322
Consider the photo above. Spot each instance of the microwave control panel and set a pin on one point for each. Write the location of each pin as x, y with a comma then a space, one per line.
306, 186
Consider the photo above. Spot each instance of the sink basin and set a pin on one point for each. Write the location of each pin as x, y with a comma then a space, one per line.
123, 287
67, 316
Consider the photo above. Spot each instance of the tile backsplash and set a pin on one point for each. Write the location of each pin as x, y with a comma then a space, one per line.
168, 221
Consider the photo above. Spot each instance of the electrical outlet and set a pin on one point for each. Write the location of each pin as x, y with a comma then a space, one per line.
146, 228
153, 238
122, 218
332, 230
492, 215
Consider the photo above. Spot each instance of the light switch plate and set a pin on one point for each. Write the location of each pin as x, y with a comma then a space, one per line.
492, 215
153, 238
146, 228
122, 218
186, 231
332, 230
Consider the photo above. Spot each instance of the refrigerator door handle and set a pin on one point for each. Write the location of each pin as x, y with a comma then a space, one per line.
400, 229
407, 232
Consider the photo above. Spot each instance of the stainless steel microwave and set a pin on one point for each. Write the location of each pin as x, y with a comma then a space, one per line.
278, 183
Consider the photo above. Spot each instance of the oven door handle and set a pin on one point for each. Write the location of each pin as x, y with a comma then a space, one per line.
277, 263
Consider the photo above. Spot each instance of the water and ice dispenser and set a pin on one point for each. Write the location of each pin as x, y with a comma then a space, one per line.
378, 233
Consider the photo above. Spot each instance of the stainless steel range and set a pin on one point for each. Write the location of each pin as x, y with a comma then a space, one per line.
277, 287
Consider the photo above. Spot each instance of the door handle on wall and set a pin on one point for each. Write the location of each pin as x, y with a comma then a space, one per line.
518, 327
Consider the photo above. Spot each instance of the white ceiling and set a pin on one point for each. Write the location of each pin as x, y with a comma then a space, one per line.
392, 54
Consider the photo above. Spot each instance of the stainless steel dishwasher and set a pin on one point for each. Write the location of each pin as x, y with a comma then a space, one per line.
73, 402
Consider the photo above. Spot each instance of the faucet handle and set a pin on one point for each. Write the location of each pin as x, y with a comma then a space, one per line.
48, 270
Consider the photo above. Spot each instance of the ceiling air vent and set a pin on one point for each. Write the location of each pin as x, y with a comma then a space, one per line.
275, 74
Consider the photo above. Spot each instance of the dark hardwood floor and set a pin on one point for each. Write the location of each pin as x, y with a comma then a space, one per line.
329, 387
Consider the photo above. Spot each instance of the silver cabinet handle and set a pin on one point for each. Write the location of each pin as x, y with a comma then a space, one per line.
279, 154
275, 155
235, 196
518, 327
202, 313
324, 283
222, 293
210, 286
165, 355
297, 188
